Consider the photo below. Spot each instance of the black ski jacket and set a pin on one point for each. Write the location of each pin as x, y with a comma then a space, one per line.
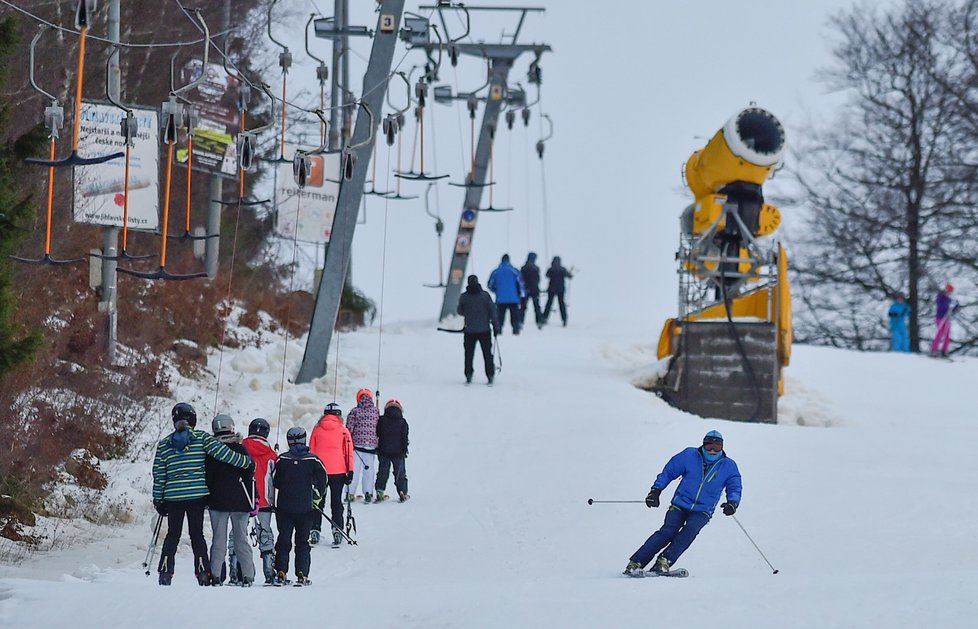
531, 278
557, 274
479, 311
231, 488
300, 477
392, 433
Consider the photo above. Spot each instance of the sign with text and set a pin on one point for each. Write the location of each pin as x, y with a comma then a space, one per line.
99, 188
306, 214
215, 99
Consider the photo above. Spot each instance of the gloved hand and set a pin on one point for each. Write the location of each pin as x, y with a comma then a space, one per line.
349, 478
160, 507
317, 503
729, 508
652, 500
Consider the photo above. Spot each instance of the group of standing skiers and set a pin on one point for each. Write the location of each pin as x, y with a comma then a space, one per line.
515, 290
238, 479
944, 308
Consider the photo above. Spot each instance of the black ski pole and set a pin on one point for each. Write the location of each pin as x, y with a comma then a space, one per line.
497, 353
152, 546
752, 542
336, 527
365, 466
592, 501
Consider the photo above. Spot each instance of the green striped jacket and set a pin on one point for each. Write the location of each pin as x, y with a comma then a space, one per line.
180, 474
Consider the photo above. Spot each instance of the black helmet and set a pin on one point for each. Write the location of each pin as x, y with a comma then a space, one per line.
259, 426
333, 409
222, 425
184, 412
296, 434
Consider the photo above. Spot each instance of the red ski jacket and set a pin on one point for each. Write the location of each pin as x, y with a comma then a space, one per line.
264, 457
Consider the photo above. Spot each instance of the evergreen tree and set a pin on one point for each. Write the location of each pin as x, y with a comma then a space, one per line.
16, 345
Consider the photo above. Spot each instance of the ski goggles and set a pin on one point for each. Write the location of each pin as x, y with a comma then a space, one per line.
713, 446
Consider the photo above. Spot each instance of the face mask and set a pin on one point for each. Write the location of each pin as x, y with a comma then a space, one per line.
711, 456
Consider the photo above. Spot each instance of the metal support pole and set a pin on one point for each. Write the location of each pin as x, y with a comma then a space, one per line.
110, 235
351, 192
215, 185
334, 90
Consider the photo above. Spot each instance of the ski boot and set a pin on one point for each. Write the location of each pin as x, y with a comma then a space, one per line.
280, 579
268, 566
166, 578
402, 496
468, 379
337, 539
368, 498
246, 582
204, 579
661, 565
302, 580
381, 496
313, 537
634, 569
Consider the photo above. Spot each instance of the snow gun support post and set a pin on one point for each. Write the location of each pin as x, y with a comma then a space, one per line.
731, 266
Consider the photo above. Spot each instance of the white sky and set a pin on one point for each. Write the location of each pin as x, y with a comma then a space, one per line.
633, 88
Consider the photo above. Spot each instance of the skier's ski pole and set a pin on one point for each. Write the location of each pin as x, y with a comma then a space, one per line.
497, 353
592, 501
752, 542
365, 466
349, 540
152, 546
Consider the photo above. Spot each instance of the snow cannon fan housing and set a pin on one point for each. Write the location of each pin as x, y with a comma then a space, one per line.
738, 159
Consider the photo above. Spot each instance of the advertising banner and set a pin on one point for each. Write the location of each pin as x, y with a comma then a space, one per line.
306, 214
98, 188
215, 98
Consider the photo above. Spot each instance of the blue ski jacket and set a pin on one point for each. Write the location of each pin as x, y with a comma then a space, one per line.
702, 482
507, 283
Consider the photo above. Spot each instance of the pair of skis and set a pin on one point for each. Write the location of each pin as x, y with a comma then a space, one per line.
680, 573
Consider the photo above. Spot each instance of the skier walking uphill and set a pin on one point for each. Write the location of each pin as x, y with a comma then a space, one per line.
332, 443
476, 306
180, 487
362, 424
530, 273
300, 479
392, 449
232, 497
898, 314
557, 275
946, 307
705, 472
507, 283
264, 457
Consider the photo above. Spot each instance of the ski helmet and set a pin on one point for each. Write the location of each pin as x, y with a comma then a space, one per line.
713, 437
949, 288
259, 426
296, 434
333, 409
364, 392
395, 403
185, 413
222, 425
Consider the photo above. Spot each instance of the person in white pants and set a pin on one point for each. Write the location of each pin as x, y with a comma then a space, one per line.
362, 424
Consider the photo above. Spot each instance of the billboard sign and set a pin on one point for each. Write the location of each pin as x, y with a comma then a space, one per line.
99, 188
306, 214
215, 98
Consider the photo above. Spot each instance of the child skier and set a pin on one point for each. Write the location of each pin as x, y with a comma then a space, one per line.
362, 424
264, 457
232, 497
392, 449
332, 443
180, 487
946, 307
705, 472
300, 479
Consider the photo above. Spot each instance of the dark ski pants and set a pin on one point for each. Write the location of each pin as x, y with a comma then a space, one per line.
301, 524
336, 483
176, 511
515, 316
677, 533
537, 312
485, 342
560, 304
400, 474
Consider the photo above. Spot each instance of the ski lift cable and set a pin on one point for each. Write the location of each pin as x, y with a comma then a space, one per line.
543, 183
383, 279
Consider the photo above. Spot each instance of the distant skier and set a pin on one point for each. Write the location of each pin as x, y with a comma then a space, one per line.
300, 479
556, 289
232, 497
705, 472
392, 450
507, 283
899, 313
264, 457
362, 424
332, 443
476, 306
946, 307
180, 487
531, 282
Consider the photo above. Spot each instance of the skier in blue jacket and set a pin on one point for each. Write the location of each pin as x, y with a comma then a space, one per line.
898, 313
705, 472
507, 282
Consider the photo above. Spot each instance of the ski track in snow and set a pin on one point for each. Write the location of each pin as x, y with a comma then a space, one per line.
858, 496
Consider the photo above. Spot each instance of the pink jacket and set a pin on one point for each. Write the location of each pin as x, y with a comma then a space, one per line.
331, 442
362, 423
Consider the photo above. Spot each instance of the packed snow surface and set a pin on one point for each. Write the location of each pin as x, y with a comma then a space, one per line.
861, 497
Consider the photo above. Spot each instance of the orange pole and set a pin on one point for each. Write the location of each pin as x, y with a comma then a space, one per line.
190, 163
47, 236
125, 202
322, 106
166, 203
78, 88
491, 171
